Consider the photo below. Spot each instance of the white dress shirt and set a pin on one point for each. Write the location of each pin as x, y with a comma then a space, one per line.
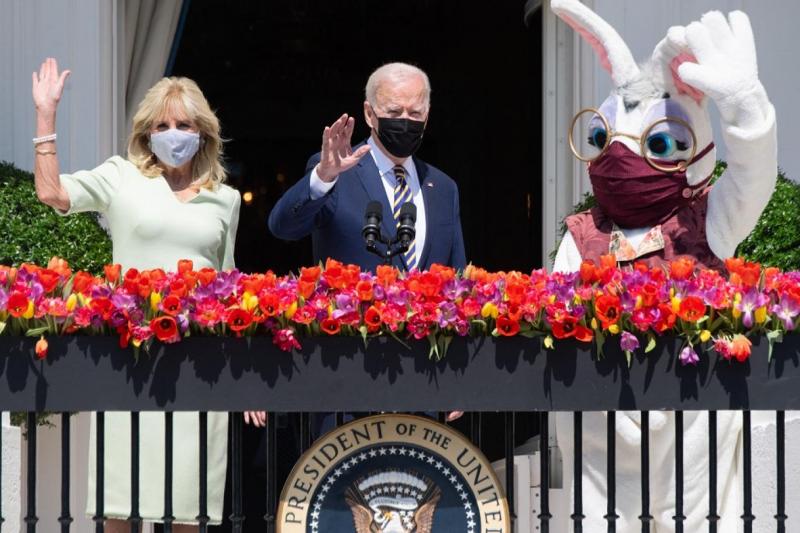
385, 166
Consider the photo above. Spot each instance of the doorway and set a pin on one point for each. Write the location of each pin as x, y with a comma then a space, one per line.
277, 72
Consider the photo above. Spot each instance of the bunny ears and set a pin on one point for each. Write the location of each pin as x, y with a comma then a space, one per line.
612, 51
677, 59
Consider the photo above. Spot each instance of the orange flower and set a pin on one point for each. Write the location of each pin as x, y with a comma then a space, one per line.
331, 326
178, 288
131, 282
311, 274
744, 273
270, 304
608, 309
17, 304
568, 327
681, 268
59, 265
306, 288
364, 290
82, 282
692, 309
238, 319
649, 294
588, 272
165, 328
112, 272
740, 347
445, 273
427, 284
171, 305
506, 326
666, 320
41, 348
185, 265
206, 275
372, 318
254, 283
49, 279
386, 274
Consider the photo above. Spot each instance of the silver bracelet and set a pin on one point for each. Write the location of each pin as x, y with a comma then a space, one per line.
44, 139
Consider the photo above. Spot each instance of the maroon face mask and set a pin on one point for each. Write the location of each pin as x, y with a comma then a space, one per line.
634, 194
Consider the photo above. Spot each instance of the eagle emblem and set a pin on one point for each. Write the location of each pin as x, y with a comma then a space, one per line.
393, 501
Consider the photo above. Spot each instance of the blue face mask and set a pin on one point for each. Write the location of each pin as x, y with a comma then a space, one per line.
174, 147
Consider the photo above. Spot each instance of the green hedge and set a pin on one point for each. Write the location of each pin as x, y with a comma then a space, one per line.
775, 241
32, 232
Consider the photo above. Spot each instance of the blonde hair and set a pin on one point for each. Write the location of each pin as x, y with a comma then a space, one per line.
207, 168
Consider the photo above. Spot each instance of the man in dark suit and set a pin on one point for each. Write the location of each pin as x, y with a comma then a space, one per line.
329, 201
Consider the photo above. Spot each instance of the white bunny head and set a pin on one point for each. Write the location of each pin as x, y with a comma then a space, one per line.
645, 93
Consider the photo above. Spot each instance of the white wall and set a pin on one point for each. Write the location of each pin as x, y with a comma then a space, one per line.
80, 34
11, 475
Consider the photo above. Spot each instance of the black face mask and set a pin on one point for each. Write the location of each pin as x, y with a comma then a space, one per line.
400, 136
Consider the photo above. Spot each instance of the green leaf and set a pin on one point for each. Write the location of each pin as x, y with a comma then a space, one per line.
629, 357
2, 326
772, 338
37, 332
651, 343
599, 341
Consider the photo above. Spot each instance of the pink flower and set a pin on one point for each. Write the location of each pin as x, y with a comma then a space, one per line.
689, 356
285, 340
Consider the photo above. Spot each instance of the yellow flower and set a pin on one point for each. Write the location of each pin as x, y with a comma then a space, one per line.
136, 342
84, 301
155, 299
249, 301
291, 310
552, 298
29, 311
548, 342
594, 323
705, 335
676, 303
761, 315
614, 329
638, 302
577, 298
489, 310
72, 301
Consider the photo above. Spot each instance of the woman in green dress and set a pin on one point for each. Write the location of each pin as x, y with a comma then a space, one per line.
166, 201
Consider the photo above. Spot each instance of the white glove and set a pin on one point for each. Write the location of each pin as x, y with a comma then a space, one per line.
726, 68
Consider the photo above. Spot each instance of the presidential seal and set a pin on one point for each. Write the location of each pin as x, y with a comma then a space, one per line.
393, 474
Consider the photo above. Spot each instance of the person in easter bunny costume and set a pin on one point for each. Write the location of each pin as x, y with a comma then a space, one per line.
650, 153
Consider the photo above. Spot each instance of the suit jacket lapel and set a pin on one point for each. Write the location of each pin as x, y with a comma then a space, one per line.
371, 181
427, 192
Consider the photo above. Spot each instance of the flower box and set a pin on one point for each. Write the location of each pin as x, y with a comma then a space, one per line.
84, 373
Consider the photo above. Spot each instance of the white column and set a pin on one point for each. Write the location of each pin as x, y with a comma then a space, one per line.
11, 488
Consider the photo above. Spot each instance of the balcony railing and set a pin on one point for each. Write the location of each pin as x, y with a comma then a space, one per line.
341, 374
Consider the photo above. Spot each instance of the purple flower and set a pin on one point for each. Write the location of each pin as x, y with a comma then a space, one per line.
449, 313
689, 356
787, 310
628, 342
345, 304
752, 300
3, 298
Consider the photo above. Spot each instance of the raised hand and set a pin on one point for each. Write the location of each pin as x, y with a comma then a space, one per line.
726, 68
48, 85
337, 154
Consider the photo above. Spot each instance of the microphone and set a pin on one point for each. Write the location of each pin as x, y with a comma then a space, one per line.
406, 231
373, 216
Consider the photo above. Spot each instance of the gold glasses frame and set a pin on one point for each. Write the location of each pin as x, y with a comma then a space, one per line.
680, 166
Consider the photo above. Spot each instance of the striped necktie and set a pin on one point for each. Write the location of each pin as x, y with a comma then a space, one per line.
402, 194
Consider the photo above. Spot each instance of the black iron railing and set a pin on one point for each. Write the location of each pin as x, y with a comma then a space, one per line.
342, 375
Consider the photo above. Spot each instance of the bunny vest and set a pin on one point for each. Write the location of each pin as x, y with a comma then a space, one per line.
684, 235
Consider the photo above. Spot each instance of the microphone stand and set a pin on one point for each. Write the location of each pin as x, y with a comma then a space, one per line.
391, 250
